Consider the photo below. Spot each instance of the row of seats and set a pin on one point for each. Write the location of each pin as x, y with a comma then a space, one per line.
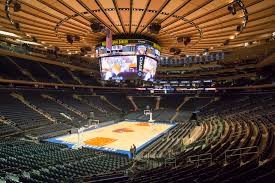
241, 123
21, 69
25, 161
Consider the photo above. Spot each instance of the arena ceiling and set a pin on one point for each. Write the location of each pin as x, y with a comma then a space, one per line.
208, 23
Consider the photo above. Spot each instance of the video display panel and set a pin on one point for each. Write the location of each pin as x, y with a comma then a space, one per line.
118, 67
141, 49
149, 69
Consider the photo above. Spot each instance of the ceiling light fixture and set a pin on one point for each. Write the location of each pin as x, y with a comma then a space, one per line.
27, 42
9, 34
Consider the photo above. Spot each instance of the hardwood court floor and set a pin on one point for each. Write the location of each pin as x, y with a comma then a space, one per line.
120, 135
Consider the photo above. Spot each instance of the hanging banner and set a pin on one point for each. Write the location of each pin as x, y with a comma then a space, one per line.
109, 39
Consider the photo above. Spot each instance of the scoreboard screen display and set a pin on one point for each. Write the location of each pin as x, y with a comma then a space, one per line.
118, 68
128, 68
129, 59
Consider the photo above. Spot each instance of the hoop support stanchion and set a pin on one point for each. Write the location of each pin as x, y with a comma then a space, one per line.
149, 113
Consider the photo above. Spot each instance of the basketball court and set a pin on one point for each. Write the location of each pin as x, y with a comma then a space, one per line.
117, 137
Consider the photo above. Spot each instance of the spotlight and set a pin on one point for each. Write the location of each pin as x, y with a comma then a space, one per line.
72, 38
16, 6
231, 8
239, 28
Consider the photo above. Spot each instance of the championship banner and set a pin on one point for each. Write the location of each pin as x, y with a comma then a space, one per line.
109, 39
140, 64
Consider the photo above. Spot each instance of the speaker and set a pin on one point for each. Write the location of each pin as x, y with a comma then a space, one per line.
232, 9
206, 50
154, 28
96, 26
226, 42
56, 48
76, 38
70, 39
177, 52
172, 50
17, 26
187, 40
87, 48
180, 39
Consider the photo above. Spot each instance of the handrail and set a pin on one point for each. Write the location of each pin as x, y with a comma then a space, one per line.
239, 152
200, 158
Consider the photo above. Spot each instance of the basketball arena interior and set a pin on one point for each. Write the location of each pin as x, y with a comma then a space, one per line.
150, 91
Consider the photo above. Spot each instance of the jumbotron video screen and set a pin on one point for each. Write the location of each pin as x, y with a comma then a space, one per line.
118, 67
128, 60
128, 68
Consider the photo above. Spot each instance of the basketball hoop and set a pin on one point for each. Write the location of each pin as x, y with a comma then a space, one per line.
149, 113
80, 131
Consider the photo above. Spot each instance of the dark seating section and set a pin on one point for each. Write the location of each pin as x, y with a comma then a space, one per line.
86, 78
99, 103
194, 104
171, 101
38, 72
6, 129
24, 117
62, 73
41, 72
48, 162
86, 107
228, 128
49, 131
236, 141
121, 101
60, 113
143, 102
8, 70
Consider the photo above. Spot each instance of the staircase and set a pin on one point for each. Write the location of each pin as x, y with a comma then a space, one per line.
33, 107
185, 100
175, 116
107, 101
133, 102
157, 103
9, 123
74, 77
210, 102
23, 71
65, 106
51, 74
